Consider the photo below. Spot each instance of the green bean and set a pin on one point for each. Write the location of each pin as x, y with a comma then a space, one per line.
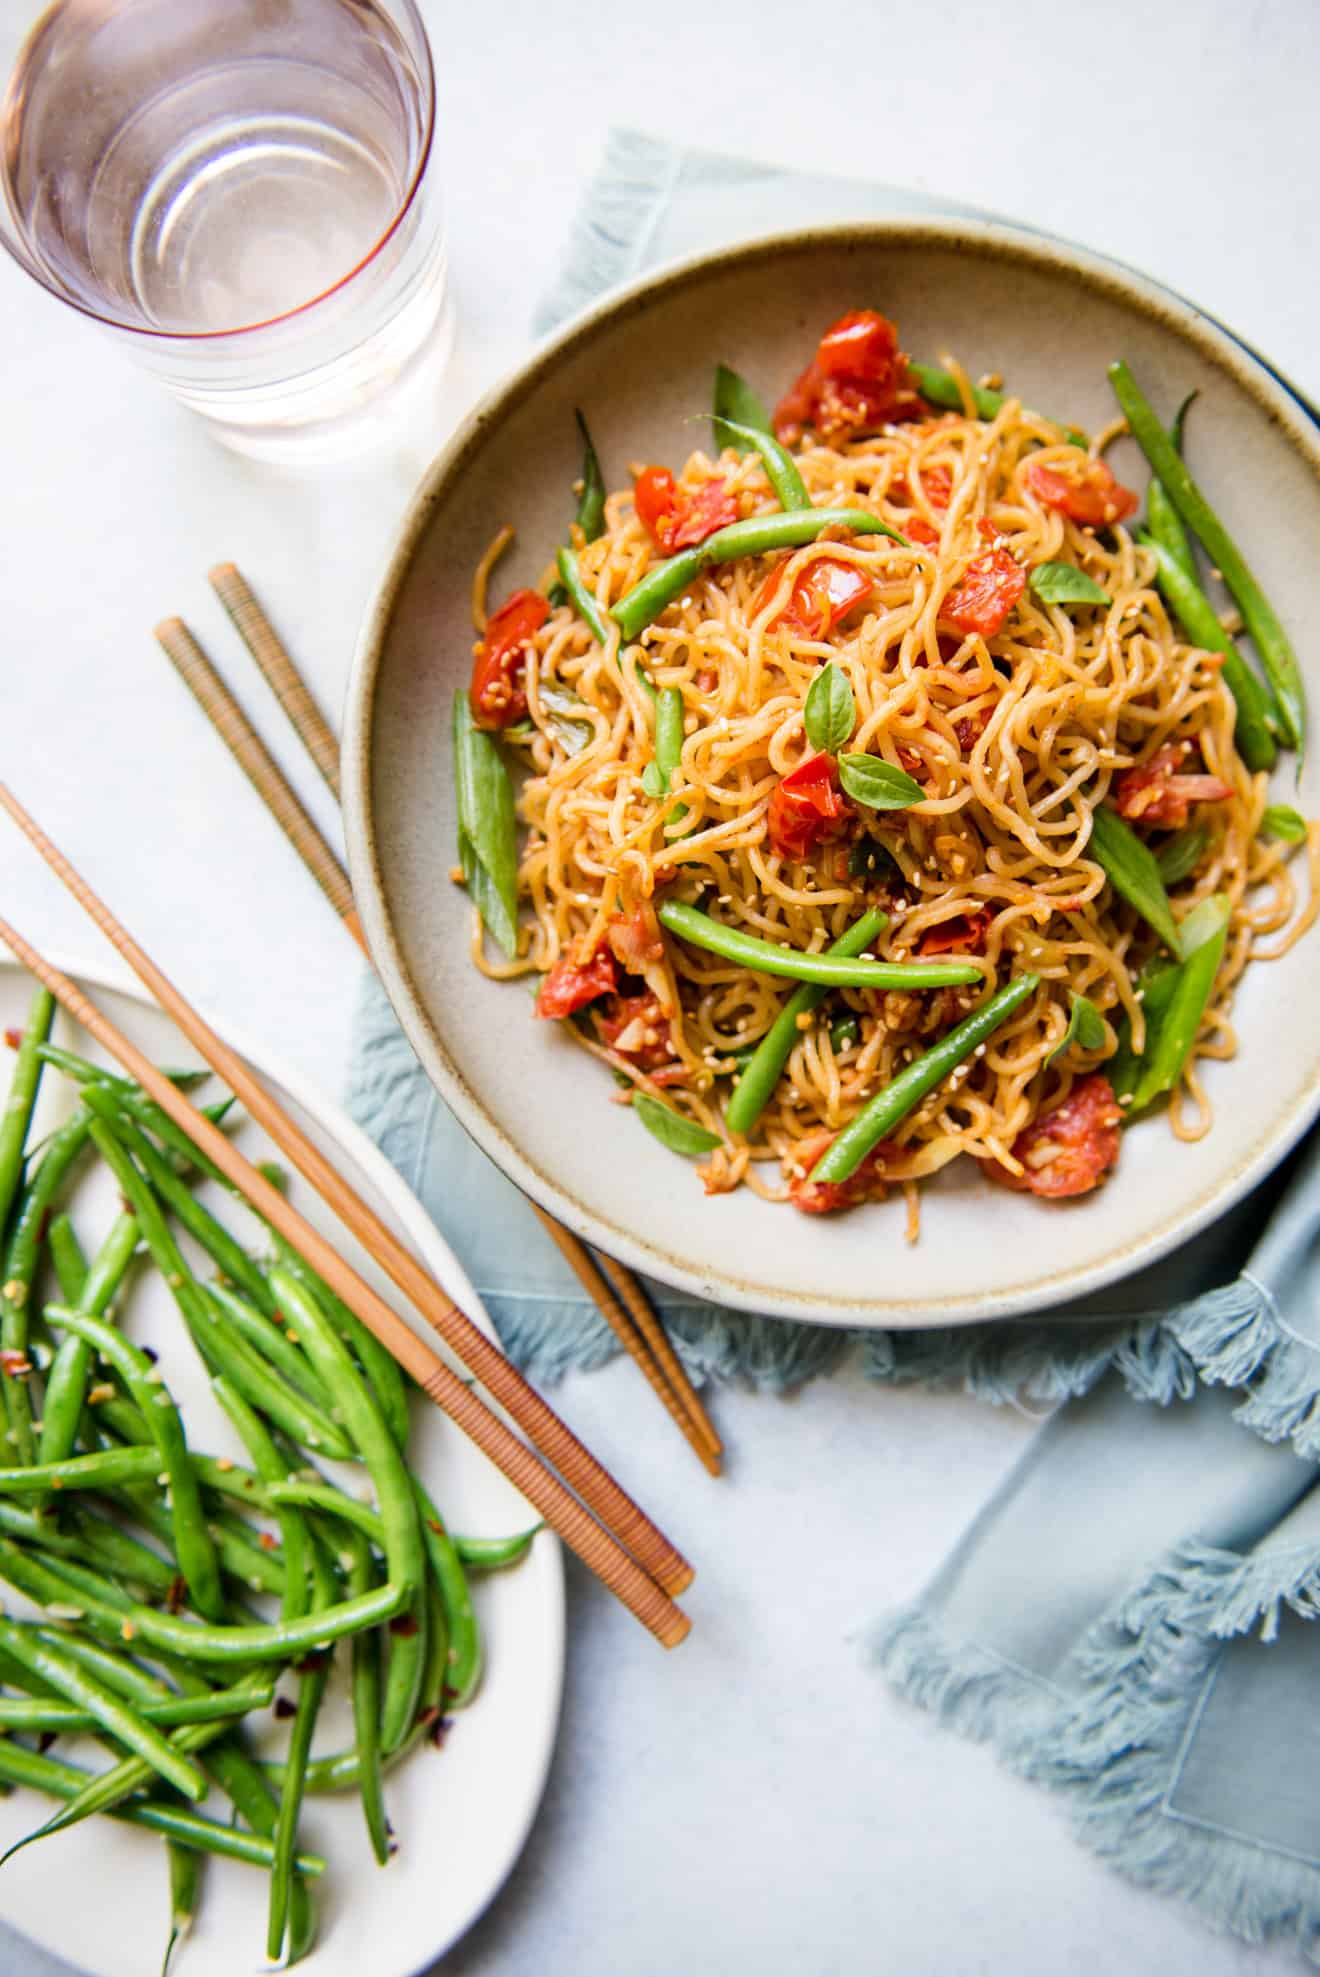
1168, 1046
131, 1099
272, 1468
780, 466
759, 535
830, 970
465, 1646
83, 1071
402, 1537
1130, 867
940, 387
66, 1253
1164, 521
384, 1375
119, 1718
113, 1667
34, 1713
336, 1503
198, 1220
487, 836
66, 1385
590, 515
192, 1540
1179, 855
903, 1094
245, 1782
1271, 641
365, 1690
124, 1619
20, 1266
185, 1886
313, 1676
580, 597
101, 1471
65, 1781
1195, 613
248, 1563
265, 1335
734, 404
753, 1090
669, 745
21, 1102
493, 1554
109, 1548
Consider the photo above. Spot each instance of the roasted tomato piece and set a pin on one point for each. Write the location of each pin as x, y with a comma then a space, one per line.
1091, 496
990, 587
808, 808
938, 484
679, 517
824, 1197
857, 382
638, 1029
500, 656
1070, 1149
1155, 792
964, 934
635, 939
970, 727
824, 592
570, 985
917, 529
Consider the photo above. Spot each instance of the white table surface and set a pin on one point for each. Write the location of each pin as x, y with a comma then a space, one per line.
756, 1798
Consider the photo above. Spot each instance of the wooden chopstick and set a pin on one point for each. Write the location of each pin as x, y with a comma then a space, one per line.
270, 783
625, 1525
316, 735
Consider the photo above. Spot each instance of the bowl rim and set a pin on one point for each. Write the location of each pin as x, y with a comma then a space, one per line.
996, 240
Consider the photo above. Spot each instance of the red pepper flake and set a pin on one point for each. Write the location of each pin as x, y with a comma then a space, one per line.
43, 1225
428, 1716
177, 1596
434, 1524
15, 1365
266, 1541
404, 1625
440, 1730
449, 1695
284, 1709
311, 1662
14, 1038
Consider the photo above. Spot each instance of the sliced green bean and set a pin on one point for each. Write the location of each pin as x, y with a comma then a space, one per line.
1256, 706
365, 1691
104, 1470
336, 1503
1163, 520
66, 1253
669, 746
266, 1336
65, 1781
383, 1372
35, 1713
759, 535
903, 1094
192, 1541
570, 575
465, 1647
272, 1468
940, 387
21, 1101
1171, 1040
830, 970
781, 468
197, 1219
753, 1090
1271, 641
111, 1549
117, 1717
20, 1265
83, 1071
313, 1675
1130, 867
66, 1384
494, 1554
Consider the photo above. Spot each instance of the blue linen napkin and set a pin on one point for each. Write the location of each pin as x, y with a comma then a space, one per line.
1125, 1620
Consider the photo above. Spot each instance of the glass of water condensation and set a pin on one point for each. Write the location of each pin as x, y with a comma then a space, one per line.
239, 191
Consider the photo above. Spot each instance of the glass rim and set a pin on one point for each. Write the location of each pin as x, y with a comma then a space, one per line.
15, 246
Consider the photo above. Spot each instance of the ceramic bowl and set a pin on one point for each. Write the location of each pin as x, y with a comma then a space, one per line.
1050, 319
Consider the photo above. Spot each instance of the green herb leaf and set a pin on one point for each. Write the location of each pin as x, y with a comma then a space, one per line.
1064, 583
879, 785
571, 731
735, 401
1282, 821
487, 835
1179, 856
680, 1135
556, 595
1133, 873
830, 712
869, 859
844, 1033
591, 501
654, 782
1086, 1027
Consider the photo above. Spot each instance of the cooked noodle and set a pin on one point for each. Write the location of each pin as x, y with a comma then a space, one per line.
1014, 743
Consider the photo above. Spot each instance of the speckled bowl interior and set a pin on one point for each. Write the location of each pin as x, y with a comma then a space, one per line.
1049, 319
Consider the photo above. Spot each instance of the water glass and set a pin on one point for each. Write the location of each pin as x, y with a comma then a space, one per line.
238, 190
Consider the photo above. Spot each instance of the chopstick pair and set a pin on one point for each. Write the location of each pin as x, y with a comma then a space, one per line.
582, 1502
618, 1295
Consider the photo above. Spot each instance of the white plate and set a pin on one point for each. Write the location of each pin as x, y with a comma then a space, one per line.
98, 1896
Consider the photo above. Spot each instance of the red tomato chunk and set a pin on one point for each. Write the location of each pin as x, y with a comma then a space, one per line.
1156, 793
964, 934
857, 382
500, 660
990, 588
637, 1028
808, 808
569, 986
826, 1197
823, 594
1070, 1150
1093, 497
678, 517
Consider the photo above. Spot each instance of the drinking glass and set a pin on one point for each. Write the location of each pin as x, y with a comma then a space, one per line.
238, 191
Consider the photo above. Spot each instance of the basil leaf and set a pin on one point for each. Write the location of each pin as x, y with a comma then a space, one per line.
572, 733
879, 785
1282, 821
654, 781
487, 836
591, 501
1086, 1027
869, 859
1064, 583
830, 712
680, 1135
736, 401
1133, 873
844, 1033
1179, 856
